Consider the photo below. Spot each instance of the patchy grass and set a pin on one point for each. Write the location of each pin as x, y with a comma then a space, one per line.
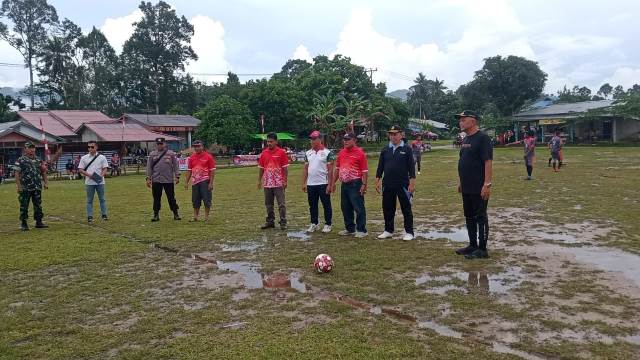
79, 291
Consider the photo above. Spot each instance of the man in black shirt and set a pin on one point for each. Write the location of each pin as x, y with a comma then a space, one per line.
475, 172
397, 164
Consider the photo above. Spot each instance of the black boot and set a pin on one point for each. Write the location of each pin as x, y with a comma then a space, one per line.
156, 217
176, 216
41, 225
268, 225
24, 226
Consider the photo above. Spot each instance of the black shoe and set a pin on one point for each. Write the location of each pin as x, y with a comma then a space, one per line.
90, 219
283, 226
41, 225
155, 218
466, 250
105, 218
477, 254
24, 226
268, 226
176, 216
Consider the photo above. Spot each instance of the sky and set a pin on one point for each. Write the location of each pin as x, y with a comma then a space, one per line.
584, 43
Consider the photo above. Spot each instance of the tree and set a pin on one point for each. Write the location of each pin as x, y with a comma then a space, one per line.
159, 47
509, 82
226, 121
59, 67
605, 90
31, 20
6, 113
577, 94
618, 92
101, 65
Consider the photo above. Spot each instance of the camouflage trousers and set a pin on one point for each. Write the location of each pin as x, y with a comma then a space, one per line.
36, 197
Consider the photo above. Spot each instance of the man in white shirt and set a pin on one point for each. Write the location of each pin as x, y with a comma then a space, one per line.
93, 167
318, 167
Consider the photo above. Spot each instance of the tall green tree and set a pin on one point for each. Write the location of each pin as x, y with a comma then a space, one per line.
226, 121
6, 113
605, 90
509, 82
32, 21
59, 67
158, 49
618, 92
101, 66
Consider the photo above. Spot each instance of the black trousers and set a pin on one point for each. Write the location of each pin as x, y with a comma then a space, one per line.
389, 196
156, 190
315, 193
475, 213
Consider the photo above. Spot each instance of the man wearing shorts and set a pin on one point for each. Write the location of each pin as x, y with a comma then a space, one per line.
555, 145
201, 168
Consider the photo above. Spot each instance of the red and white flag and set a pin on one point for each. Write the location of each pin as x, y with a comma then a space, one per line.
44, 141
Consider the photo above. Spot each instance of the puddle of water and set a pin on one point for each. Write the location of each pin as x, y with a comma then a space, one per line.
504, 349
250, 272
299, 235
296, 284
442, 290
541, 235
422, 279
500, 283
440, 329
250, 247
633, 339
455, 235
609, 259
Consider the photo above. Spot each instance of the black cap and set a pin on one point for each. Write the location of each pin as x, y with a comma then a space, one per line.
197, 142
348, 136
395, 129
29, 144
160, 140
467, 113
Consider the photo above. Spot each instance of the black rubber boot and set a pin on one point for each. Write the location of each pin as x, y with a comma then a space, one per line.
176, 216
41, 225
24, 226
156, 217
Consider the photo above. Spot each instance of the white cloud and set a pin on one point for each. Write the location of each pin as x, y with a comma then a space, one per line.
625, 76
119, 30
16, 77
207, 42
302, 53
499, 33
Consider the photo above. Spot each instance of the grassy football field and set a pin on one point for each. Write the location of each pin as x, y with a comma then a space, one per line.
563, 280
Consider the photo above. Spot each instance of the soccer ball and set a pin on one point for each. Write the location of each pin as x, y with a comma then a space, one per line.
323, 263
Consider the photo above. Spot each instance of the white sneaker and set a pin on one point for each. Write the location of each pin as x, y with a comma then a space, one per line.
346, 233
385, 235
361, 234
408, 237
326, 229
418, 172
312, 228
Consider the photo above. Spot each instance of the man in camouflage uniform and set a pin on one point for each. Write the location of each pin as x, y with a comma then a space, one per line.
30, 176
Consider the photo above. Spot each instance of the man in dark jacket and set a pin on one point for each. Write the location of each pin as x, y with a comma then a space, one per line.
475, 173
397, 164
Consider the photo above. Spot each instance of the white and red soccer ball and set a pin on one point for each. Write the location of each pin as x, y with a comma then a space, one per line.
323, 263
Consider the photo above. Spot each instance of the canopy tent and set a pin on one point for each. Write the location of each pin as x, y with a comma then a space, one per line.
281, 136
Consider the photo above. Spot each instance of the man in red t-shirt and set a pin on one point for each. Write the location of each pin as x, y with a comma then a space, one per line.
352, 170
201, 168
273, 163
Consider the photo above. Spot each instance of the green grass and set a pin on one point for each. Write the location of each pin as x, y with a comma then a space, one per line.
79, 291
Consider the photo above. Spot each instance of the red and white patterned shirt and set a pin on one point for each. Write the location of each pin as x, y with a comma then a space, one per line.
351, 164
273, 163
200, 166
